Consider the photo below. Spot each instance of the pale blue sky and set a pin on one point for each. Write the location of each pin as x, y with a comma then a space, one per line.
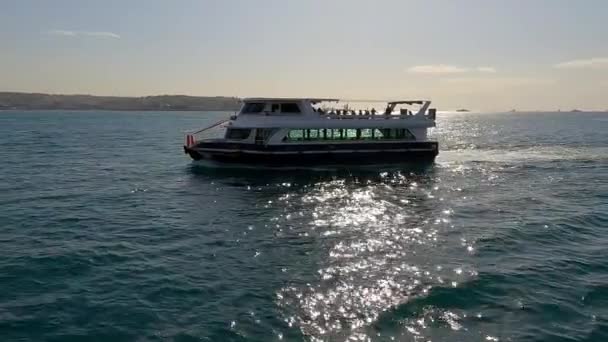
482, 54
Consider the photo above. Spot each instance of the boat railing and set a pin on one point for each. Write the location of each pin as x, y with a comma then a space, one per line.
214, 131
430, 115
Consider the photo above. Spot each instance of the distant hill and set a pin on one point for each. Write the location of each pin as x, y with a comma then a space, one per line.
29, 101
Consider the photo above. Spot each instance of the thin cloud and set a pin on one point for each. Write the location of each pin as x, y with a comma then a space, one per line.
487, 83
61, 33
96, 34
442, 69
437, 69
486, 69
102, 34
596, 62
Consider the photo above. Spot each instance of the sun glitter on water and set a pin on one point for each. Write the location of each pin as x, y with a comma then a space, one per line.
380, 251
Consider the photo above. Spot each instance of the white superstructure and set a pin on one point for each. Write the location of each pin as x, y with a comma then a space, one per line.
313, 126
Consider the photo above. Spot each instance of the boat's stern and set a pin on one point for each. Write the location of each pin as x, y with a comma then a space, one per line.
194, 139
189, 147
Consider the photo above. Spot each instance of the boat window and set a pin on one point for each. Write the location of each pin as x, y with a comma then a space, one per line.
351, 134
295, 135
290, 108
404, 134
367, 133
313, 134
238, 133
396, 134
275, 107
253, 107
262, 134
337, 134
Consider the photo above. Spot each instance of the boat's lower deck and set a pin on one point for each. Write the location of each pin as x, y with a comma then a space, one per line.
314, 154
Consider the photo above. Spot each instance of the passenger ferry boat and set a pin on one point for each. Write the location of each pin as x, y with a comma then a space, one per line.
301, 131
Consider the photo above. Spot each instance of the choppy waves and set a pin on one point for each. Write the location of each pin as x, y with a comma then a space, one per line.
502, 239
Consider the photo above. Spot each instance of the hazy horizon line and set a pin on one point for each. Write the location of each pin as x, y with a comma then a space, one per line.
463, 108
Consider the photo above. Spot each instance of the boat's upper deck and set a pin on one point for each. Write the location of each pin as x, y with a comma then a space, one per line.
314, 112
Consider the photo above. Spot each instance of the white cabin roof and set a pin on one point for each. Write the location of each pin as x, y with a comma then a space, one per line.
288, 99
315, 100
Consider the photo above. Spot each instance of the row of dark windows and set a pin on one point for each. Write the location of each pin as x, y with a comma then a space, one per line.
349, 134
259, 107
327, 134
244, 133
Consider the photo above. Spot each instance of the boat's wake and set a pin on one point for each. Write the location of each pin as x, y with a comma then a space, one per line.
528, 154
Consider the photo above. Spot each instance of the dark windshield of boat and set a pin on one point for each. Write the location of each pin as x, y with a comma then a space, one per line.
238, 133
290, 108
253, 107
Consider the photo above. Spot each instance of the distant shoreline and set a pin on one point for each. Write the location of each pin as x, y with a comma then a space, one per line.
2, 110
160, 103
40, 101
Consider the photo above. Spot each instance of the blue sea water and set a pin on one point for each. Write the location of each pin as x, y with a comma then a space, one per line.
108, 232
